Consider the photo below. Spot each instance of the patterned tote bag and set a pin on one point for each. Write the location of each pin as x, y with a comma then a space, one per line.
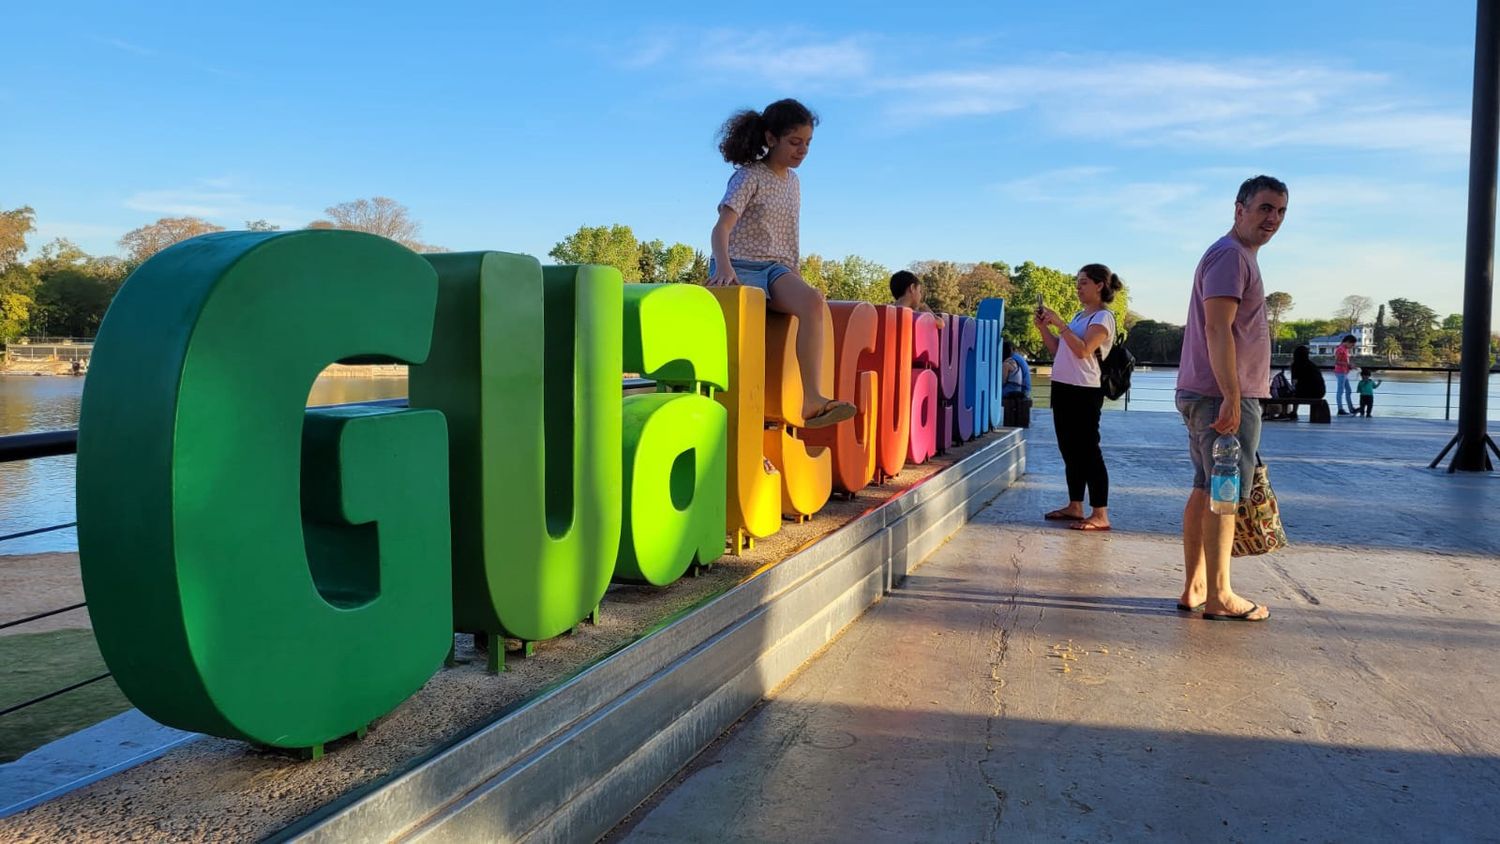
1257, 521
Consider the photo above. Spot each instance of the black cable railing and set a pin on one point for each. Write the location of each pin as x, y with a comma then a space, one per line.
1162, 395
35, 531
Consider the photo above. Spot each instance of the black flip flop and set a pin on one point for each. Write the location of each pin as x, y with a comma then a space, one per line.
1181, 607
1244, 616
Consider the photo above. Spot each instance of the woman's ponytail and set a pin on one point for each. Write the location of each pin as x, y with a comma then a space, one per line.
742, 137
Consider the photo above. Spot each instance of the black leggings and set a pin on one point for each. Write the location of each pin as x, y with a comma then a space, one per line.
1075, 417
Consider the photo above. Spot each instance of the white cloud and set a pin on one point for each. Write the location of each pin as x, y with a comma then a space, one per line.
150, 53
766, 55
50, 230
190, 202
1137, 101
648, 51
1156, 206
125, 46
1155, 101
218, 200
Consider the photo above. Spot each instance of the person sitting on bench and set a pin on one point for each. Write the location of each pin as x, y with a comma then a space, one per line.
1307, 378
1017, 374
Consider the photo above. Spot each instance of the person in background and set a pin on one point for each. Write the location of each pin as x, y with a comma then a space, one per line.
1077, 397
1281, 388
907, 292
1367, 385
1341, 367
1307, 378
1017, 375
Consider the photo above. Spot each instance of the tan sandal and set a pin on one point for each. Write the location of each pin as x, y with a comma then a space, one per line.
832, 413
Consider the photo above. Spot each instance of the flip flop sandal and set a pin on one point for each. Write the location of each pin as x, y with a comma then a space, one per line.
1062, 516
832, 414
1089, 526
1244, 616
1185, 608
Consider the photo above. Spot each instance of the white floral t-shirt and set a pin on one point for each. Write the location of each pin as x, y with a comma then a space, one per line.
769, 207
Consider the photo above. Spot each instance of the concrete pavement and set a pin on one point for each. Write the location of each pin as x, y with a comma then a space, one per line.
1028, 681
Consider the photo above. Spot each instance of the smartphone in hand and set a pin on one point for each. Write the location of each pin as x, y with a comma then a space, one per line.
1040, 305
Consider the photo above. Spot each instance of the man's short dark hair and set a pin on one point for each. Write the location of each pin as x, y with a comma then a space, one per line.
1349, 338
901, 281
1255, 185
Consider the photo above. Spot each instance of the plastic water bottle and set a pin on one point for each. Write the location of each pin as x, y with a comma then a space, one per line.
1224, 488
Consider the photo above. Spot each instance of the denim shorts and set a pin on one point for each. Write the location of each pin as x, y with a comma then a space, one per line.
1198, 413
760, 274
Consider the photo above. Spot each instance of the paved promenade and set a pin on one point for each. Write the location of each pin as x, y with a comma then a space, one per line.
1030, 682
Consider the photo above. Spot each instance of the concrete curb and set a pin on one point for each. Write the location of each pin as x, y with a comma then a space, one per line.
570, 764
87, 756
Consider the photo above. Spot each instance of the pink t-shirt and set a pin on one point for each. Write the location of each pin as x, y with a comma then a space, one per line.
1341, 360
1229, 270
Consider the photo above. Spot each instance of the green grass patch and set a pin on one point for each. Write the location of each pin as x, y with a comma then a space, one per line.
33, 664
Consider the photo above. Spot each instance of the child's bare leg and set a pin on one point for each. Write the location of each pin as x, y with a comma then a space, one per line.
791, 295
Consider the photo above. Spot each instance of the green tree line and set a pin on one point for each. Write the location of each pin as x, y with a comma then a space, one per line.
951, 287
64, 291
1406, 332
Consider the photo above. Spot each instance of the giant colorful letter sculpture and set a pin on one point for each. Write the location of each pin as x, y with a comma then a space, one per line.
527, 364
993, 311
754, 494
674, 442
259, 571
253, 570
806, 470
980, 386
853, 442
964, 400
892, 362
925, 358
950, 382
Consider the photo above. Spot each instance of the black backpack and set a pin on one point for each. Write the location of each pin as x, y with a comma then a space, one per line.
1114, 370
1281, 387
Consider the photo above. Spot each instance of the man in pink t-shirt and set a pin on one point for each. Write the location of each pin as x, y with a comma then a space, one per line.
1226, 370
1341, 368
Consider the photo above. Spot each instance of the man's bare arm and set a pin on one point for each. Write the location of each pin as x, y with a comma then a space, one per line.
1218, 328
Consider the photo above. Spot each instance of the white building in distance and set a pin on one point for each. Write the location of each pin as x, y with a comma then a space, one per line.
1364, 342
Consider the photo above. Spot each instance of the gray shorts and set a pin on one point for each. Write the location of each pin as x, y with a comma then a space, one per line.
1198, 413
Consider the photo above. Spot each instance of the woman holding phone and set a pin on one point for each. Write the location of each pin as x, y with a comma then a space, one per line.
1077, 346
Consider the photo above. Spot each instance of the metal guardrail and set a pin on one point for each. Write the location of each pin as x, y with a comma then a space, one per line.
18, 447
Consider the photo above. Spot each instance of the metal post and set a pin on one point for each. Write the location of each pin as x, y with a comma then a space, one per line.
1479, 257
1448, 408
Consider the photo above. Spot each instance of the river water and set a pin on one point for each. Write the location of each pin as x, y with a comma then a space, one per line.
39, 493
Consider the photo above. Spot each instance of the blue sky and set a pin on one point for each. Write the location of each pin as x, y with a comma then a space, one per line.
1110, 132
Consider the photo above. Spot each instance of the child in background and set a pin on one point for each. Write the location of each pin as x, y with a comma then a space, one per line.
1367, 385
907, 292
755, 241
